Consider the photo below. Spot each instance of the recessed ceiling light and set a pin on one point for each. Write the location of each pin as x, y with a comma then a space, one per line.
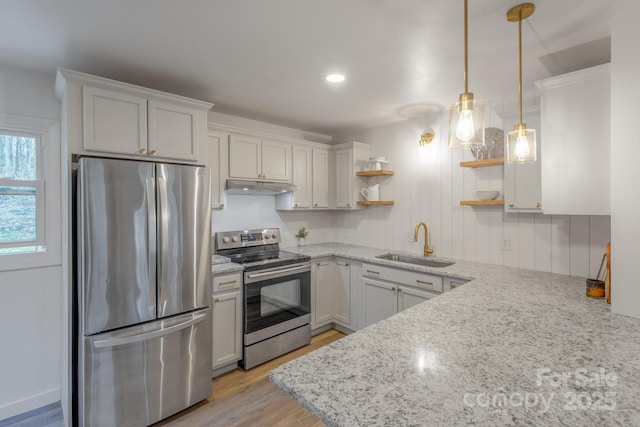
335, 78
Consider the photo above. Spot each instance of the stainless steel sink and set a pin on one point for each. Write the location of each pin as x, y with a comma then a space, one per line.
415, 260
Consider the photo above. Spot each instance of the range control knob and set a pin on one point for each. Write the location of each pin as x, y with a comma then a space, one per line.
226, 239
234, 238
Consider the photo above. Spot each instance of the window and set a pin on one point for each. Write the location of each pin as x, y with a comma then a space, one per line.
21, 193
30, 190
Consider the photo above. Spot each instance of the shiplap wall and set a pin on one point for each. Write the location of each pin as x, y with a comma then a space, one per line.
428, 186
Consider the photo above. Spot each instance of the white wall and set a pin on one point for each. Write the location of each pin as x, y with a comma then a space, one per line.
30, 300
625, 150
428, 186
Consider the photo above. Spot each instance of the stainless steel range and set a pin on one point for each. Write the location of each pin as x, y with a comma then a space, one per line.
277, 293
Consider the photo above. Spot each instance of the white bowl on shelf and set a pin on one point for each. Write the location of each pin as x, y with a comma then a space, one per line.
487, 195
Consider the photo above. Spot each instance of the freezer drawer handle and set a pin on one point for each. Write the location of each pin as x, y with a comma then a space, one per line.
149, 335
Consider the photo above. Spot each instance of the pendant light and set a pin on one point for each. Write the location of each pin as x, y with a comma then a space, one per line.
466, 117
521, 142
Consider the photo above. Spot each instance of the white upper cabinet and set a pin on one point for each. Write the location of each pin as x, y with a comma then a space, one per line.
350, 159
252, 157
522, 182
173, 130
302, 176
215, 157
320, 178
114, 122
575, 157
123, 120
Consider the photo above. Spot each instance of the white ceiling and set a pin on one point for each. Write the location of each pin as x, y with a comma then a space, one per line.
266, 59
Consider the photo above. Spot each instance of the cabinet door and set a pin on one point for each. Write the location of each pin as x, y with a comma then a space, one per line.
227, 328
276, 160
244, 157
344, 172
342, 292
575, 157
380, 301
408, 297
324, 291
173, 131
114, 122
320, 178
301, 176
214, 153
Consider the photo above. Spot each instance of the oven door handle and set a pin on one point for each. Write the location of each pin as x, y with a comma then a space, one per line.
277, 273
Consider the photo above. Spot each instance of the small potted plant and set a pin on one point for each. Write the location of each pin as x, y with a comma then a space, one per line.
301, 235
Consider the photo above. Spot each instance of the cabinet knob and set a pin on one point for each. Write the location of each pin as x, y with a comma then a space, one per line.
510, 205
295, 205
399, 290
221, 205
538, 205
143, 151
153, 152
216, 300
348, 205
393, 289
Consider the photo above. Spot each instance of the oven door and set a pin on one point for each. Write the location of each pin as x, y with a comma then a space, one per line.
276, 300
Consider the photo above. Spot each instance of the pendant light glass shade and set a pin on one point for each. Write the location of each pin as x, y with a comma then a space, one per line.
466, 117
521, 145
521, 142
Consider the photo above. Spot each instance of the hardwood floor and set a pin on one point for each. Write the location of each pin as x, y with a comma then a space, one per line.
247, 398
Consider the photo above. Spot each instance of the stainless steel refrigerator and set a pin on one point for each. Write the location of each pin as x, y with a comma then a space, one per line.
142, 328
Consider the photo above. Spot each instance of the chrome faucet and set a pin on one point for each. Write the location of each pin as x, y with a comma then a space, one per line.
427, 251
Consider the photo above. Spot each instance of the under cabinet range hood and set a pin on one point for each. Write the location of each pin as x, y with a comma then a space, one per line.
237, 186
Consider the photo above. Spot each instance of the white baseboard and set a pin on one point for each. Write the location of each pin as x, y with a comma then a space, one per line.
30, 403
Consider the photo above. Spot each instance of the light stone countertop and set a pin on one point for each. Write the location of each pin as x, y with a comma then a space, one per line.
512, 347
226, 268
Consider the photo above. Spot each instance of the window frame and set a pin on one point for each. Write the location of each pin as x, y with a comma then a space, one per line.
48, 195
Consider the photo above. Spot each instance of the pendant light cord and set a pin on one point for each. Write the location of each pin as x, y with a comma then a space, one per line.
520, 63
466, 53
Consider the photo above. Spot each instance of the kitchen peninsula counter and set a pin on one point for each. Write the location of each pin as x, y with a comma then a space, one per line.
511, 347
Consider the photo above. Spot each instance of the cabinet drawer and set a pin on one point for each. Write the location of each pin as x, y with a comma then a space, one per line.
412, 278
227, 282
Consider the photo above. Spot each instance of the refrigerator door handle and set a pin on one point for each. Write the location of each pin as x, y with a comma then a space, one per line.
163, 230
147, 335
151, 238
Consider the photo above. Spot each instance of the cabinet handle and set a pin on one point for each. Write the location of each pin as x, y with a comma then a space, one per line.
424, 283
315, 205
373, 272
230, 282
320, 264
143, 151
153, 152
295, 205
216, 300
399, 290
538, 205
346, 264
348, 205
221, 205
510, 205
393, 289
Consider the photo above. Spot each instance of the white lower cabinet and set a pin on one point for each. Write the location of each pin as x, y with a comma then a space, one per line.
227, 322
331, 292
387, 291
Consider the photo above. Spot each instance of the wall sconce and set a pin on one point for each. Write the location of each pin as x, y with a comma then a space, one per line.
426, 138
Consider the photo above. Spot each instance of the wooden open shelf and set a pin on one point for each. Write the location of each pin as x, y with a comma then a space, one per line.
482, 202
483, 163
377, 203
376, 173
